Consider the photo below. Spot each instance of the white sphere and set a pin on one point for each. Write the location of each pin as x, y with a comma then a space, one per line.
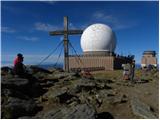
98, 37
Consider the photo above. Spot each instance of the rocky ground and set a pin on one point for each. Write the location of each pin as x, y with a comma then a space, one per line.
56, 94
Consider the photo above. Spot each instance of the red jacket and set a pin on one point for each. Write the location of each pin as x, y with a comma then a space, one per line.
17, 60
18, 66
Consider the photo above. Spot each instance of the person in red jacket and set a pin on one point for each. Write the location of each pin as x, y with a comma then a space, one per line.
18, 65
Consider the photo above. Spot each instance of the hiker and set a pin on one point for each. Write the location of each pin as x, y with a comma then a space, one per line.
126, 68
132, 69
19, 68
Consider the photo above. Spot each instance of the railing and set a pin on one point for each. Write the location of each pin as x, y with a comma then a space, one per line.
88, 69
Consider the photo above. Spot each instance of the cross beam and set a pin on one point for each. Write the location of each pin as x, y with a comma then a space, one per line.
70, 32
65, 33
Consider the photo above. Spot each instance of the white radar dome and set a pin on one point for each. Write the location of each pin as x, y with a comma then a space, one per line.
98, 37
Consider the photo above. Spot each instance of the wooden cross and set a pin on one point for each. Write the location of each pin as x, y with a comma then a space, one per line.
66, 32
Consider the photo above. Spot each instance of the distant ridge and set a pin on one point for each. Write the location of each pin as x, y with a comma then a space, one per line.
47, 66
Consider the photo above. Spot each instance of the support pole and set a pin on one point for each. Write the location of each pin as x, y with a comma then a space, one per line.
66, 58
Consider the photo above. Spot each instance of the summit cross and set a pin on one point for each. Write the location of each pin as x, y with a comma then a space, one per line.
65, 33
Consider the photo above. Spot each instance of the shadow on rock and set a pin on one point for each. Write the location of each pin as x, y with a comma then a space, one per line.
64, 98
104, 115
15, 107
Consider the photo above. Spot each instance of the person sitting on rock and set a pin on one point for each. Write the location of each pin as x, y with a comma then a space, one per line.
19, 68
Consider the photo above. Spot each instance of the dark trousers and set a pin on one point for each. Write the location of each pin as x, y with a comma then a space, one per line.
132, 76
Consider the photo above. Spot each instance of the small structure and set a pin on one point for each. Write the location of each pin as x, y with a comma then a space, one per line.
149, 58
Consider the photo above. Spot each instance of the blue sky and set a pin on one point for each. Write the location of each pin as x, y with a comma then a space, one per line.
25, 26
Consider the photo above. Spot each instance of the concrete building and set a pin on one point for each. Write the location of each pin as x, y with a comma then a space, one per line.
98, 43
149, 58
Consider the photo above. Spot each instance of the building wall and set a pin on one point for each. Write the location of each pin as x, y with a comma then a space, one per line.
92, 62
148, 60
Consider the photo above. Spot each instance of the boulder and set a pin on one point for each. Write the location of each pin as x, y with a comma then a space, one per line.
15, 83
120, 99
13, 93
65, 74
25, 86
74, 89
51, 77
6, 70
80, 111
40, 75
36, 69
141, 109
15, 107
86, 84
53, 93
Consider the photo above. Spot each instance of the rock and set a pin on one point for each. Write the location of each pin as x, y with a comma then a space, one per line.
6, 70
142, 81
47, 83
51, 77
15, 107
13, 93
74, 90
25, 86
61, 75
35, 69
54, 113
64, 75
100, 86
25, 117
53, 93
80, 111
120, 99
147, 93
99, 101
124, 98
86, 85
141, 109
67, 98
15, 83
104, 81
56, 69
52, 70
40, 75
110, 95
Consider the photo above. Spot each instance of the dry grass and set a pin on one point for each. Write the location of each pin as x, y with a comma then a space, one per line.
116, 74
